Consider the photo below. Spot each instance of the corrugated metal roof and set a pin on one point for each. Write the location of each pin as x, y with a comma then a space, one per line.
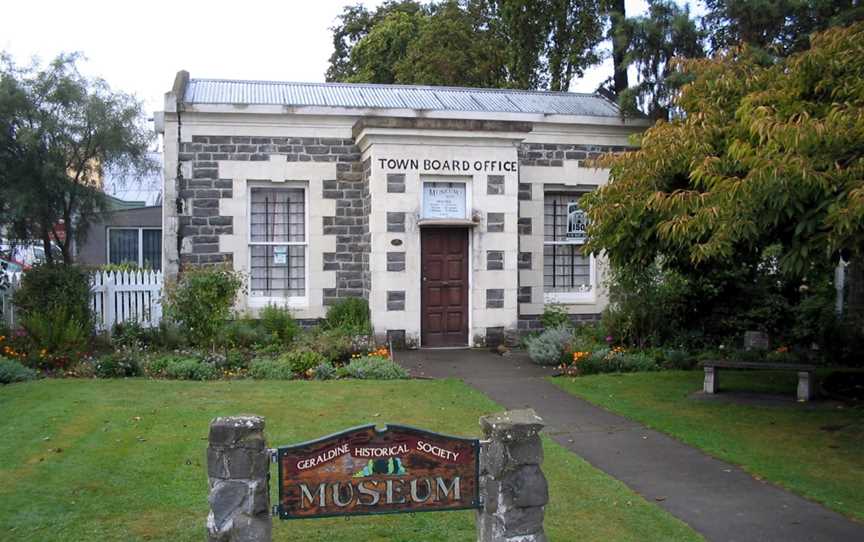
220, 91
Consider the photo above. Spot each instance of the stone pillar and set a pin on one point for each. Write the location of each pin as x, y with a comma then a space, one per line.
806, 385
712, 379
237, 468
512, 486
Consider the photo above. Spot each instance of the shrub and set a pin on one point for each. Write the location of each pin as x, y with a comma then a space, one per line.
12, 371
244, 333
47, 288
125, 362
168, 335
200, 302
551, 347
679, 360
324, 371
555, 315
58, 337
130, 333
270, 369
54, 304
301, 361
374, 368
334, 344
617, 360
279, 324
351, 315
190, 369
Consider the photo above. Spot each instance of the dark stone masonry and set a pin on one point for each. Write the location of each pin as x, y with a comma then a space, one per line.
494, 260
396, 300
495, 298
395, 261
396, 222
201, 222
554, 154
494, 222
495, 185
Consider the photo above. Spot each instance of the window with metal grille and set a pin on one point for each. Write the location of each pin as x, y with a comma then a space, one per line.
277, 242
138, 246
565, 268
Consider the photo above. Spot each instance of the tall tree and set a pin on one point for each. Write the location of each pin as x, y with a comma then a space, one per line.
60, 130
616, 11
375, 57
354, 24
500, 43
453, 47
784, 26
656, 39
575, 29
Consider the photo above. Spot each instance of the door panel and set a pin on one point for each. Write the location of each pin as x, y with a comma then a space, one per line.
444, 292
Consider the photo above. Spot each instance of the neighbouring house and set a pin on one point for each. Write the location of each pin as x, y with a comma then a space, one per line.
130, 230
454, 211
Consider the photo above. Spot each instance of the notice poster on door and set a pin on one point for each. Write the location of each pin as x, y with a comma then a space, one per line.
444, 200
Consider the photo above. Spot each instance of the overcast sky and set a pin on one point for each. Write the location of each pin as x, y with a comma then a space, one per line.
138, 47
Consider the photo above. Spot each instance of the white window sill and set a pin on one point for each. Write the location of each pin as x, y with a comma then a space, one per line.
259, 302
570, 298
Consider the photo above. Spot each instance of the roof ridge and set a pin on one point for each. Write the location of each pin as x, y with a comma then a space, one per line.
398, 86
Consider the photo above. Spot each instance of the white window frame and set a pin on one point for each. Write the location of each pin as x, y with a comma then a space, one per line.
261, 301
140, 229
567, 298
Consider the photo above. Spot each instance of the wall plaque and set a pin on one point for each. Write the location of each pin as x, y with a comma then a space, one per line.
444, 200
370, 471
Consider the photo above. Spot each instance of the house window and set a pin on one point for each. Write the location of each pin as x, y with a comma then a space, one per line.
277, 243
138, 246
567, 270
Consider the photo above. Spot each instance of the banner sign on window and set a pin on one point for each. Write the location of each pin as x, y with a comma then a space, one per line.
577, 223
444, 200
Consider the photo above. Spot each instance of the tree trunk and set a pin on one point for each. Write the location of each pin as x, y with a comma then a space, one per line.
617, 14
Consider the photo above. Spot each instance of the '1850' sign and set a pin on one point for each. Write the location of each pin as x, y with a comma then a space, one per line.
367, 471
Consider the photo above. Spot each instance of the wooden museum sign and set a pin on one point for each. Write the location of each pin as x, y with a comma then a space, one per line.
370, 471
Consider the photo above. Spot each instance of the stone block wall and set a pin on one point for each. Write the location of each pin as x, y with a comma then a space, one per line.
554, 154
201, 222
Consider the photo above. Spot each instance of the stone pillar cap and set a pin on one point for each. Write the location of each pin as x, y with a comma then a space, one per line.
245, 431
512, 424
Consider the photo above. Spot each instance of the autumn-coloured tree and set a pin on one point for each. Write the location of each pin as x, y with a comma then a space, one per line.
767, 152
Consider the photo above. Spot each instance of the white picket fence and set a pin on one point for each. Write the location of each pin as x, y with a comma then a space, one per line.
115, 297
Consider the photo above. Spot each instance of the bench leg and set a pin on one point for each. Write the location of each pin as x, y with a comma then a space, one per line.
712, 375
806, 385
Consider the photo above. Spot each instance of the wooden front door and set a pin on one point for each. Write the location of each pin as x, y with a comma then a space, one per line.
444, 294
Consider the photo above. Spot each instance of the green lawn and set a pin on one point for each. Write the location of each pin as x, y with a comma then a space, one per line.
124, 460
814, 450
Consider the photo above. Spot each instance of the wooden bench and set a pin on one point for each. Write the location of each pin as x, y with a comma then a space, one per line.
806, 374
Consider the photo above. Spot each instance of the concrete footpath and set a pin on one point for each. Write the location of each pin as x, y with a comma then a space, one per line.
719, 500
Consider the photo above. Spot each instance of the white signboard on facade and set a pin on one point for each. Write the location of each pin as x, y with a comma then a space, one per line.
444, 200
577, 223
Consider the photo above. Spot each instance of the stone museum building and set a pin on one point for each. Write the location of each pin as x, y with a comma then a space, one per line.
454, 211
